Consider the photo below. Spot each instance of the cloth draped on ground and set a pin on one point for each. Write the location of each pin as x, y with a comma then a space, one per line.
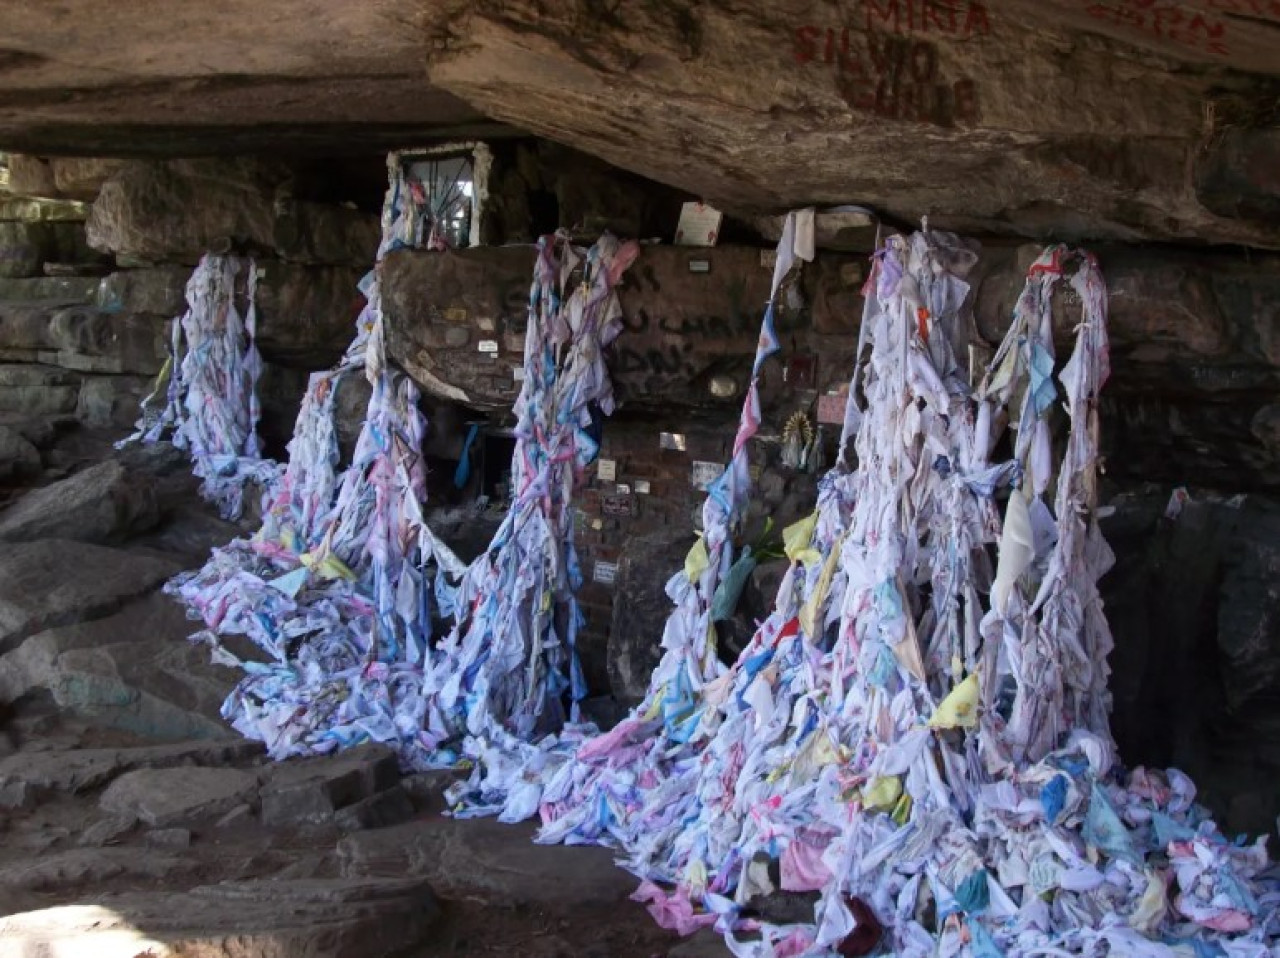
914, 734
210, 380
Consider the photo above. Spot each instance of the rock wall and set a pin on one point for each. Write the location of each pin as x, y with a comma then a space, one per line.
88, 290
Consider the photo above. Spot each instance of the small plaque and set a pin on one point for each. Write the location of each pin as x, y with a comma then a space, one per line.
485, 324
623, 489
517, 373
605, 572
699, 225
831, 410
672, 440
607, 470
616, 505
705, 473
597, 524
456, 314
699, 265
642, 487
488, 346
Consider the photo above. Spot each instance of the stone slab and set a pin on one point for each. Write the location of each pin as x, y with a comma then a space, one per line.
165, 797
56, 582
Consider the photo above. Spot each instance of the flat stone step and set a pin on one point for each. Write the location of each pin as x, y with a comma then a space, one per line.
76, 770
483, 859
308, 918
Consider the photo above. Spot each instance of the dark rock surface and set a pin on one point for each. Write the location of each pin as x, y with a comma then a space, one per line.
178, 210
641, 607
104, 503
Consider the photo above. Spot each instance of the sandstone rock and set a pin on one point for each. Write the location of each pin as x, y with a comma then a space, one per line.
57, 582
763, 101
310, 791
159, 291
31, 176
316, 918
307, 232
111, 402
483, 859
426, 789
19, 459
174, 796
307, 314
50, 290
91, 866
27, 210
37, 390
81, 177
71, 771
90, 341
169, 838
391, 807
682, 328
104, 503
24, 247
107, 830
132, 671
181, 209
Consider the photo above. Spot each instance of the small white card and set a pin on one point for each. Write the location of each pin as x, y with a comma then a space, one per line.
699, 225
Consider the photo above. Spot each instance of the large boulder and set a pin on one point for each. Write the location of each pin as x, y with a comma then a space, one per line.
181, 209
104, 503
50, 290
456, 321
163, 797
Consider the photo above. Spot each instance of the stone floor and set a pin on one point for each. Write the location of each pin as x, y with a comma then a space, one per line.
132, 821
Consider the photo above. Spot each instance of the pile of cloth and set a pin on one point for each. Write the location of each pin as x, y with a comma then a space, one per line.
210, 383
914, 744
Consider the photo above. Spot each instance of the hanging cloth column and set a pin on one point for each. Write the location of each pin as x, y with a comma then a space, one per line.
512, 656
212, 405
